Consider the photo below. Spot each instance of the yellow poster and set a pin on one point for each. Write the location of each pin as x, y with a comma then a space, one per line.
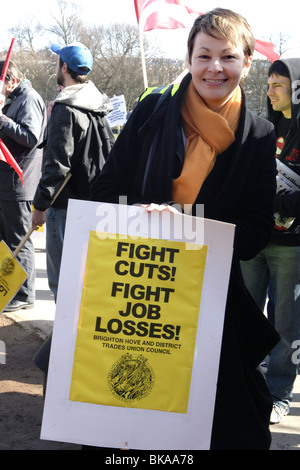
137, 324
12, 275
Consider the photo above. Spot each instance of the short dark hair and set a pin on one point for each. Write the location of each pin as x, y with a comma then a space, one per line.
13, 71
279, 68
75, 76
229, 24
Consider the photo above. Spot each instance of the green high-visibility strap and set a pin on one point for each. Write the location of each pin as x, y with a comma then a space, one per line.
159, 90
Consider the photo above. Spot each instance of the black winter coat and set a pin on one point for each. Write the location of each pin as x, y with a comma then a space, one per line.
21, 129
78, 113
241, 188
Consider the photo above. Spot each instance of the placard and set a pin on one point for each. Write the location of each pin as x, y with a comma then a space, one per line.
117, 117
137, 323
12, 275
138, 328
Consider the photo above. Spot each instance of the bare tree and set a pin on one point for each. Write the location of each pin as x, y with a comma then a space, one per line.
67, 24
26, 34
117, 65
281, 42
256, 87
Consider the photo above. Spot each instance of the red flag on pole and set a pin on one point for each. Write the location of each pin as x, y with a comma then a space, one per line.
173, 14
266, 49
5, 66
6, 156
164, 14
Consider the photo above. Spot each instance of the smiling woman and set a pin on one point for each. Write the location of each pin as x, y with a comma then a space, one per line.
217, 67
198, 145
217, 59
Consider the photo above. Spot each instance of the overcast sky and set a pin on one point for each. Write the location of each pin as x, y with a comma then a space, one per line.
266, 19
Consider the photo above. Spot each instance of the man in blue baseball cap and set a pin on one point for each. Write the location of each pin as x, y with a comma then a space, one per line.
77, 57
76, 124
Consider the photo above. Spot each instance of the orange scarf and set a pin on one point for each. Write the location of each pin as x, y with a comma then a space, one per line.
208, 134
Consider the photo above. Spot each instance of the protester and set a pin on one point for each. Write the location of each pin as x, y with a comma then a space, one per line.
76, 126
279, 262
78, 105
198, 144
22, 122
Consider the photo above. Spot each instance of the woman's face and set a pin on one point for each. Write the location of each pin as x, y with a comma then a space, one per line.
217, 67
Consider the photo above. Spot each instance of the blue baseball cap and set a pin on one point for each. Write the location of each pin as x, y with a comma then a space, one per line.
75, 55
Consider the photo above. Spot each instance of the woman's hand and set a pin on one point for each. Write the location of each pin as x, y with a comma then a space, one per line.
160, 207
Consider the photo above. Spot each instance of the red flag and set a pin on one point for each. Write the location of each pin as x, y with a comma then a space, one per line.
164, 14
266, 49
173, 14
6, 156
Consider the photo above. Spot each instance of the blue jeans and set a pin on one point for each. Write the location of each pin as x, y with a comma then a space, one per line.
55, 230
15, 222
279, 266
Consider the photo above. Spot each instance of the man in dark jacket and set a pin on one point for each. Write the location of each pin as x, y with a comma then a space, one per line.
78, 142
22, 122
78, 106
279, 262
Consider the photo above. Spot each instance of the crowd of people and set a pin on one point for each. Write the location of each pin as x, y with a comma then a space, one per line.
196, 144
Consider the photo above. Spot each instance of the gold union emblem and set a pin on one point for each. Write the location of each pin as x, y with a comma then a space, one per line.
131, 378
7, 267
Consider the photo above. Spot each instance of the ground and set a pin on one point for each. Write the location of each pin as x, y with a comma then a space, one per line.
21, 391
21, 397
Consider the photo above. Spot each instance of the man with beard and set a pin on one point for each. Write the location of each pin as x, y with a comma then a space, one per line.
76, 125
77, 107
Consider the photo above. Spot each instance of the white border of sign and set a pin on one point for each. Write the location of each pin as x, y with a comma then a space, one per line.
128, 428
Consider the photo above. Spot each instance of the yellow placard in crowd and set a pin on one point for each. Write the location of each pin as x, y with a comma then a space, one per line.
12, 275
137, 323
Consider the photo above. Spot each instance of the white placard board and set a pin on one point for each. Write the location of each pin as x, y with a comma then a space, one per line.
124, 427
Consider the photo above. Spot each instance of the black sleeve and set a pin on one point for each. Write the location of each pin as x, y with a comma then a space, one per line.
115, 183
288, 205
57, 156
255, 220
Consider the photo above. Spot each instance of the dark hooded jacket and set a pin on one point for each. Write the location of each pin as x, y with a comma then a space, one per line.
288, 205
147, 155
21, 129
78, 112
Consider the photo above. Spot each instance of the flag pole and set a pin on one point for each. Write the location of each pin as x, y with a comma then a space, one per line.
143, 59
5, 66
30, 231
5, 154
